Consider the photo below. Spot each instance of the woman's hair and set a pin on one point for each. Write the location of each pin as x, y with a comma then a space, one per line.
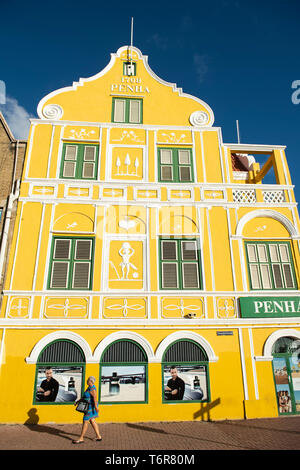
92, 378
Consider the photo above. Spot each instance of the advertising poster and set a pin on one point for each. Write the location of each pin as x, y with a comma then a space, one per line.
282, 385
295, 373
123, 384
186, 383
58, 384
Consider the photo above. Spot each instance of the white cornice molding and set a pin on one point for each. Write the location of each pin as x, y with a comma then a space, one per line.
254, 147
122, 125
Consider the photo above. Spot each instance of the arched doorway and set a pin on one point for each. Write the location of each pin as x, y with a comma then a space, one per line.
286, 368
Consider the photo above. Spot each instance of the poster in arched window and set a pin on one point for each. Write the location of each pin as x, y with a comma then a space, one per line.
185, 382
123, 383
58, 384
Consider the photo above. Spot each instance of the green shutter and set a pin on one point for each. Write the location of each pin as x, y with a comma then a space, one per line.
179, 264
270, 265
71, 263
175, 165
127, 110
79, 161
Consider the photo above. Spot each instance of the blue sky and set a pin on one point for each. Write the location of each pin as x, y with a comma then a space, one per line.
241, 57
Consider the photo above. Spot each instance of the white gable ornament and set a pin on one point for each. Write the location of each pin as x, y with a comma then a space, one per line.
199, 118
53, 111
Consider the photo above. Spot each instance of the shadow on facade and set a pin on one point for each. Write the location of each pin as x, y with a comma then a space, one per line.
204, 412
33, 417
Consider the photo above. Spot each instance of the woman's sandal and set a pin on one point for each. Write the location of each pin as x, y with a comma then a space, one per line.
97, 439
77, 442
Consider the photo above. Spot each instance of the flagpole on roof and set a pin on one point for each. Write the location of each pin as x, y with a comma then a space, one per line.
238, 131
131, 41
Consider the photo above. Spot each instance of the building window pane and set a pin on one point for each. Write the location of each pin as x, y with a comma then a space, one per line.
183, 157
251, 253
190, 275
277, 276
288, 276
134, 111
165, 156
185, 173
83, 249
262, 253
71, 152
79, 161
127, 110
169, 275
76, 271
62, 249
274, 253
119, 114
180, 264
89, 154
81, 275
88, 170
255, 276
284, 253
175, 165
270, 265
59, 275
189, 250
169, 250
167, 173
265, 276
69, 170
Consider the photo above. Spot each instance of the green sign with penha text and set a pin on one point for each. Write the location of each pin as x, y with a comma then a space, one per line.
269, 307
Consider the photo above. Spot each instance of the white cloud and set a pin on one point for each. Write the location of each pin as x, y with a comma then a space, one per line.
200, 62
186, 24
16, 117
161, 42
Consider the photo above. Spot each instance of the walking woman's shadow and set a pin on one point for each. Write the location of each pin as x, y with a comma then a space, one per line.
32, 424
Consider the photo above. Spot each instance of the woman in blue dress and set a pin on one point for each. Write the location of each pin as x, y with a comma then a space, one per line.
91, 396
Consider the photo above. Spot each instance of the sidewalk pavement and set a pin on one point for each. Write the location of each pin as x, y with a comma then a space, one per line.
282, 433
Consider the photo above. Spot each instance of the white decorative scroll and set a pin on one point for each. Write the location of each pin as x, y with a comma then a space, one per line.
127, 223
53, 111
199, 118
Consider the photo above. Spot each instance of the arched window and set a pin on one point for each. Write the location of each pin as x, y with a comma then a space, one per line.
124, 373
286, 345
185, 373
59, 373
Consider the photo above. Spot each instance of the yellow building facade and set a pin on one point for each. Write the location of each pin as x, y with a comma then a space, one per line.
143, 242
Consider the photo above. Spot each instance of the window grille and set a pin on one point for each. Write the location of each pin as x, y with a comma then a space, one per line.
61, 352
184, 351
124, 351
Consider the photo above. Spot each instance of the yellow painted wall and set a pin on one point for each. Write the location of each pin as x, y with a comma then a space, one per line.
226, 390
